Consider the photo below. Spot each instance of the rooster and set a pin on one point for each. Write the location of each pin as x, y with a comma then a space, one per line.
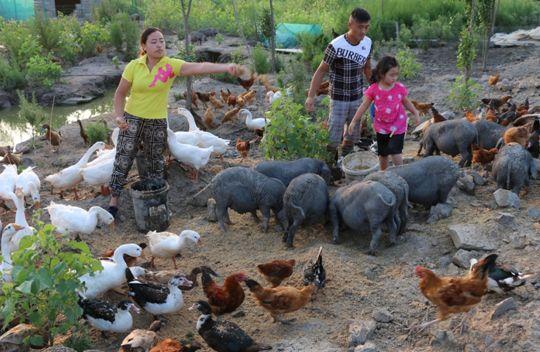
483, 156
224, 95
315, 272
492, 80
223, 299
231, 100
277, 270
242, 147
247, 83
455, 294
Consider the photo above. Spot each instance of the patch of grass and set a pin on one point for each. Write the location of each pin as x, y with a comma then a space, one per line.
97, 131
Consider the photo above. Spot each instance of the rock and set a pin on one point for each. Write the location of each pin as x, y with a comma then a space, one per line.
201, 198
59, 348
470, 237
360, 331
13, 339
533, 213
505, 198
444, 261
27, 162
478, 179
368, 347
462, 258
506, 219
443, 338
439, 211
466, 184
211, 210
503, 307
449, 115
382, 315
178, 123
6, 100
470, 348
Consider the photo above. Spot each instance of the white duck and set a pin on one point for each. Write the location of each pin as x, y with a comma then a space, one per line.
200, 138
168, 244
71, 176
8, 178
28, 181
20, 219
7, 249
98, 172
271, 97
113, 274
193, 156
71, 219
253, 124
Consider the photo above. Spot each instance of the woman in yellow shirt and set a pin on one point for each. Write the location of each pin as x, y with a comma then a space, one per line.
144, 116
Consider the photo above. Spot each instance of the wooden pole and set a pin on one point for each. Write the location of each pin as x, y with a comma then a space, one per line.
273, 37
185, 14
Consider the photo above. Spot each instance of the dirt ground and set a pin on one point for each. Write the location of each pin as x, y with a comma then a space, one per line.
358, 283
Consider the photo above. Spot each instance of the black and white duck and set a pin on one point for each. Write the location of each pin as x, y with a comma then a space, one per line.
222, 335
106, 316
502, 278
158, 299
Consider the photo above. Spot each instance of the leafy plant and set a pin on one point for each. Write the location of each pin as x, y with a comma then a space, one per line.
10, 77
43, 293
105, 10
219, 38
313, 47
287, 135
92, 36
409, 67
96, 132
124, 34
42, 71
298, 82
464, 94
21, 45
31, 112
260, 60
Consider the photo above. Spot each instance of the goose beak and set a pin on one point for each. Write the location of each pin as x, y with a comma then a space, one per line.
193, 307
17, 227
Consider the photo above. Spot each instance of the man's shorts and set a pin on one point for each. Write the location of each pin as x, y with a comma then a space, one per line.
342, 112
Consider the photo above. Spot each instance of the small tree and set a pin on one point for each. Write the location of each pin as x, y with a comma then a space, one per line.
43, 292
268, 29
487, 10
32, 113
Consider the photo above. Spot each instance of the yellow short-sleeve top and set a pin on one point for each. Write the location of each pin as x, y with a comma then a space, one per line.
150, 89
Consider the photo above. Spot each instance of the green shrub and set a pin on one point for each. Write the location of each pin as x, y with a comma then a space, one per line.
405, 35
287, 135
165, 14
21, 45
219, 38
124, 34
92, 36
409, 67
31, 112
46, 273
105, 10
313, 47
10, 77
97, 131
58, 36
297, 80
261, 65
464, 94
42, 71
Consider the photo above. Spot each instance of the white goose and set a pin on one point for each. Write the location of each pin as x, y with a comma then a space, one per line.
200, 138
70, 219
168, 244
71, 176
98, 172
193, 156
113, 274
20, 219
28, 181
7, 249
8, 178
253, 124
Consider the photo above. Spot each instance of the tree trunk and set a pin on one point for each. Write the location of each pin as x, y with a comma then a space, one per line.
240, 29
185, 14
489, 33
273, 38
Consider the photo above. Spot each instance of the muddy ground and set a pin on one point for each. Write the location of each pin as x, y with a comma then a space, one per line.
359, 284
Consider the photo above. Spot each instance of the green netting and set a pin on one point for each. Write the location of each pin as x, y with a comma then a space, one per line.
286, 33
16, 9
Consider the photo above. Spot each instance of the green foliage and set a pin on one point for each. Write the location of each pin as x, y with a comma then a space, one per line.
10, 77
219, 38
96, 132
58, 36
42, 71
46, 273
287, 136
31, 112
296, 79
124, 34
265, 23
409, 67
21, 45
464, 94
92, 36
165, 14
427, 30
313, 47
405, 35
105, 10
466, 50
261, 65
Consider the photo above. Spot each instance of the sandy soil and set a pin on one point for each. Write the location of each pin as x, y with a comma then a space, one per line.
358, 284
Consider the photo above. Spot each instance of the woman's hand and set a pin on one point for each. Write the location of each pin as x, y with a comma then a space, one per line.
121, 123
234, 70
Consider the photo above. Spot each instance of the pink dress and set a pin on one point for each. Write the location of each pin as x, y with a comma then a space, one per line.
390, 115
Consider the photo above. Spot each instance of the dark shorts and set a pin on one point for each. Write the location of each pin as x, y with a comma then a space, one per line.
387, 145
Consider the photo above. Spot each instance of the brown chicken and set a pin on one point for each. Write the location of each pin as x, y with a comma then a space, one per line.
497, 103
491, 113
276, 271
517, 135
130, 261
523, 109
194, 100
231, 100
248, 96
209, 118
471, 117
248, 82
436, 116
224, 95
483, 156
215, 103
455, 294
172, 345
223, 299
492, 80
204, 97
324, 88
82, 132
53, 137
230, 114
423, 108
282, 299
242, 147
266, 84
10, 158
